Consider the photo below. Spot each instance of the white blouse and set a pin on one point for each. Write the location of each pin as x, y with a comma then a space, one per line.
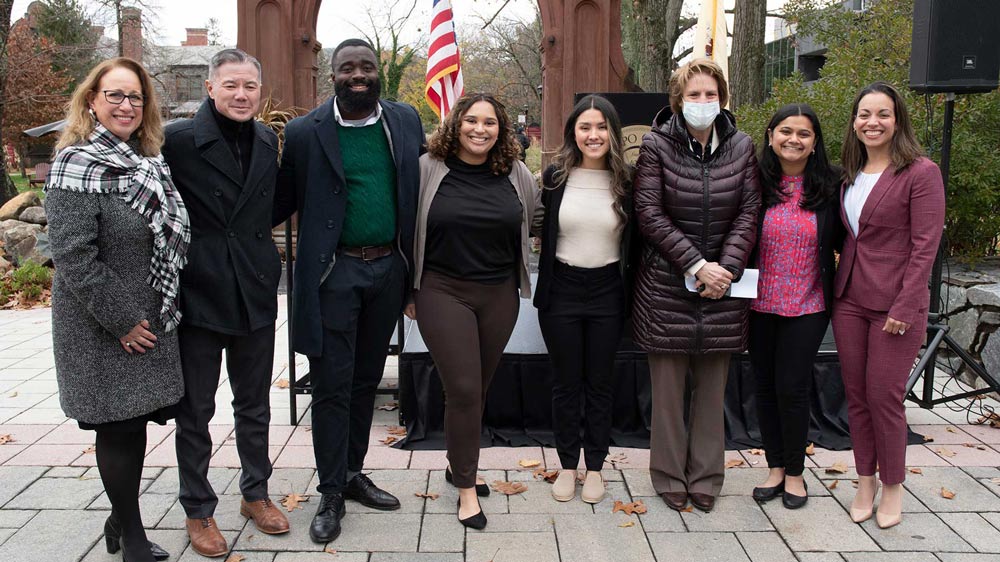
856, 195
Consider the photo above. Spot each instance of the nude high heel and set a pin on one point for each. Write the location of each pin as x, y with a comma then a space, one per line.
864, 514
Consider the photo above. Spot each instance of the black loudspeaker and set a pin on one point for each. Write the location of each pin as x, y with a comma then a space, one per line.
955, 46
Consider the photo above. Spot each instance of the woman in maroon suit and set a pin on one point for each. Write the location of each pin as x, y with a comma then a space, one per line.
893, 208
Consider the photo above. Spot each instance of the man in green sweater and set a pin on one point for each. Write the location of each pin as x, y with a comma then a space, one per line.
350, 169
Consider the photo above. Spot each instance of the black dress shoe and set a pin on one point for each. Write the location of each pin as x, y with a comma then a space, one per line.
113, 535
325, 525
477, 521
791, 501
482, 490
676, 501
362, 490
704, 502
762, 494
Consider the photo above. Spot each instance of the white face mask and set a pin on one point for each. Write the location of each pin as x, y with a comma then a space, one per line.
700, 116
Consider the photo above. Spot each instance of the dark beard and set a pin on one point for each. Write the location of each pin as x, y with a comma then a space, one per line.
356, 102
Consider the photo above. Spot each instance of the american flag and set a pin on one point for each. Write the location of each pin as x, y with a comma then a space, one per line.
444, 69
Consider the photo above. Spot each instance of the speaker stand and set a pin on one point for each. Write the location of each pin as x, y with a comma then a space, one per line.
938, 333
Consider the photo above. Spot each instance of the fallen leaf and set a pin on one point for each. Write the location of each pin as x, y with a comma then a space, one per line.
992, 418
627, 524
811, 449
6, 438
509, 488
947, 494
950, 429
388, 406
529, 463
388, 440
688, 509
995, 480
981, 447
837, 468
969, 445
397, 431
428, 496
236, 558
761, 451
12, 394
928, 439
916, 471
309, 428
733, 463
944, 452
281, 383
854, 483
629, 508
832, 485
330, 551
90, 450
615, 459
292, 501
547, 475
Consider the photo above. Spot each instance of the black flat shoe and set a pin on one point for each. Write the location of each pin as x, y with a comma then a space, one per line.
482, 490
325, 525
477, 521
113, 535
791, 501
362, 490
762, 494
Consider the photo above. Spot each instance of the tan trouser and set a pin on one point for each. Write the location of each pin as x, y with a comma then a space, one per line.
688, 458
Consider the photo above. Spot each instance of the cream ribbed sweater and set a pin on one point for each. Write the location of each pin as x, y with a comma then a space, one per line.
590, 230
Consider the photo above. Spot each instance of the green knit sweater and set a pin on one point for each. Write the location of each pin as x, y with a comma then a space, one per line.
370, 172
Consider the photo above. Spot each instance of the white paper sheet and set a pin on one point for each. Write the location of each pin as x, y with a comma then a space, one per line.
745, 288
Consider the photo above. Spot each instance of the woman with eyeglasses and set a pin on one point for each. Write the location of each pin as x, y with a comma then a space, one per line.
119, 234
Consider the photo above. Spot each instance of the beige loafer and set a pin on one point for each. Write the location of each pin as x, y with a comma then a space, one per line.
564, 488
593, 487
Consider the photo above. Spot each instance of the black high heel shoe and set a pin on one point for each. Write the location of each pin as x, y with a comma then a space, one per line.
482, 490
477, 521
113, 537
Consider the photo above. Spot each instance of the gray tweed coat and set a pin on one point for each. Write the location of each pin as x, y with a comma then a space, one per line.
101, 250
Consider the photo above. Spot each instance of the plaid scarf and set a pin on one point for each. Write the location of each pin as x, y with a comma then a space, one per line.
107, 165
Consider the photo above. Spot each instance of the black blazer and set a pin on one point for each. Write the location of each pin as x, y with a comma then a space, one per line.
311, 181
830, 237
230, 282
552, 196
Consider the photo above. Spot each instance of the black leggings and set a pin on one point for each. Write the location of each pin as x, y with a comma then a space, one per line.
582, 326
120, 456
782, 352
466, 326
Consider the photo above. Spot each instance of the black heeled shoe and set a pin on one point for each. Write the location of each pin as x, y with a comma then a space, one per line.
763, 494
113, 537
477, 521
482, 490
791, 501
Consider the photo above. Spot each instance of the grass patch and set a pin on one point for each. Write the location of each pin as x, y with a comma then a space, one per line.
22, 184
27, 286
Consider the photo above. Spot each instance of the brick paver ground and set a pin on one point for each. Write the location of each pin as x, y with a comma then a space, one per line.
52, 505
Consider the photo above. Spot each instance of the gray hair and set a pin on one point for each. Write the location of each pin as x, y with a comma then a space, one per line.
232, 56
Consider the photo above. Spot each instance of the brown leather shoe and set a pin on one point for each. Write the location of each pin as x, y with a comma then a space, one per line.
206, 539
704, 502
268, 518
675, 500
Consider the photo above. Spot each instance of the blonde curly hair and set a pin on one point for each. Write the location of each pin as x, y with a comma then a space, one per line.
444, 142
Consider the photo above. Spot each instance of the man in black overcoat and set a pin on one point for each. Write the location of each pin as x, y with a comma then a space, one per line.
350, 168
225, 165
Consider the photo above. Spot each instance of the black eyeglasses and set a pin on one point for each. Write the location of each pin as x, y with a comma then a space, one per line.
117, 97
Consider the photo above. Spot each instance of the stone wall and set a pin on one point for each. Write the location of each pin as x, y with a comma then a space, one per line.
971, 297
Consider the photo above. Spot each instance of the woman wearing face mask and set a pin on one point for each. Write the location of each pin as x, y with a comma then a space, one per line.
893, 201
799, 229
477, 202
696, 200
581, 286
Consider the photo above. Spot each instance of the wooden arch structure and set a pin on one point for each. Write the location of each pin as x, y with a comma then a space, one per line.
581, 52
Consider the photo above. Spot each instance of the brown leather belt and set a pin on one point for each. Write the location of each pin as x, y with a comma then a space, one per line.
366, 253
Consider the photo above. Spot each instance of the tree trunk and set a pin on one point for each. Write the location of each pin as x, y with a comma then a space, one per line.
746, 65
651, 28
7, 188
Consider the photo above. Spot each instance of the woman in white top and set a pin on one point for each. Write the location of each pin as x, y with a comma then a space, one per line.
582, 280
893, 209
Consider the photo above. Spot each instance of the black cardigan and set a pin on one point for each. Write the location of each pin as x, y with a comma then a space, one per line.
552, 195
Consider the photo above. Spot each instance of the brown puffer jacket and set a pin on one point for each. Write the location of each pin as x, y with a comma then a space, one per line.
688, 210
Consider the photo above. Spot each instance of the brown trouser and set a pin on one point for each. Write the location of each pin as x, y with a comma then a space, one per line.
466, 326
688, 458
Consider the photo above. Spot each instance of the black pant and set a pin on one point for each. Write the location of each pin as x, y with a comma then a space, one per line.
249, 361
782, 352
360, 302
582, 326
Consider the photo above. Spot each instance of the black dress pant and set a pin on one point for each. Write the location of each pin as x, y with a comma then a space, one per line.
782, 352
249, 362
360, 303
582, 327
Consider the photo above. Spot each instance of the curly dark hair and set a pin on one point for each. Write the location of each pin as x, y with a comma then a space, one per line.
444, 142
